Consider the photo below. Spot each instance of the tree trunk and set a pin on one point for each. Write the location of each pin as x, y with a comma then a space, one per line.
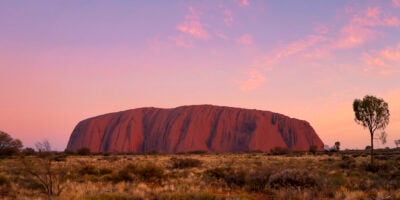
372, 149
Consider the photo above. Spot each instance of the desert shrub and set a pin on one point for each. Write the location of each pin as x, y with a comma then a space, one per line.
88, 169
254, 181
110, 158
216, 173
347, 162
198, 152
105, 170
69, 152
5, 186
235, 178
229, 175
147, 172
293, 178
313, 149
382, 168
4, 181
59, 158
382, 157
336, 179
28, 151
182, 163
111, 196
189, 196
84, 151
279, 151
42, 174
257, 180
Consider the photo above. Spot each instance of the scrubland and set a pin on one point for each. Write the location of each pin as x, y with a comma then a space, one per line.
340, 175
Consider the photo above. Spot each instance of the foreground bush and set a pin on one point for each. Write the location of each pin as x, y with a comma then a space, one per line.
147, 172
5, 186
190, 196
182, 163
43, 174
251, 180
297, 178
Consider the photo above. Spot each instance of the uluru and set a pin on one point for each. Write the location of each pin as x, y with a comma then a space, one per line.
192, 128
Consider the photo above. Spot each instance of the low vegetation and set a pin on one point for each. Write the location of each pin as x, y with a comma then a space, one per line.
255, 175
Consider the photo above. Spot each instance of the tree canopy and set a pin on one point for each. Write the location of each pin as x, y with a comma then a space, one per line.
8, 145
371, 112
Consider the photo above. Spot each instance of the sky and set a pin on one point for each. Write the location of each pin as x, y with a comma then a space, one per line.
65, 61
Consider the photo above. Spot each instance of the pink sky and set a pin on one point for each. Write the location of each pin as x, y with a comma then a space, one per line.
64, 61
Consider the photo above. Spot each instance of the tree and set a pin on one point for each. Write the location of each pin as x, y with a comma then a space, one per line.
397, 143
372, 113
44, 172
8, 145
336, 146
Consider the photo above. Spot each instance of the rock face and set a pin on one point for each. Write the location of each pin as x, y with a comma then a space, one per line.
192, 128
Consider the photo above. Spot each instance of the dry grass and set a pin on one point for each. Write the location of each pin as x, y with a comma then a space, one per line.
207, 176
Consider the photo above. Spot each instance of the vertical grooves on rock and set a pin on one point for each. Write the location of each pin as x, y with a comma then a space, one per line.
183, 131
128, 141
109, 133
213, 131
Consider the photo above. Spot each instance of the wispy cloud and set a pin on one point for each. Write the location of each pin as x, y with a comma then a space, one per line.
182, 41
373, 17
362, 27
254, 80
396, 3
221, 35
228, 16
300, 45
245, 39
193, 25
244, 3
353, 35
383, 61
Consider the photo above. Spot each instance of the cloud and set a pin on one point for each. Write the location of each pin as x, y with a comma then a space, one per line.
244, 3
246, 39
228, 16
254, 80
306, 47
396, 3
182, 41
193, 26
298, 46
353, 36
361, 27
373, 17
384, 62
221, 35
